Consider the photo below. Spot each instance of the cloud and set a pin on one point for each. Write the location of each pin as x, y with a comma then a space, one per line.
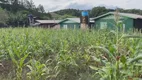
79, 6
51, 9
53, 5
109, 6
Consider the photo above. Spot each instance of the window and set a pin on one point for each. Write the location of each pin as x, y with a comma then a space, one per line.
74, 26
124, 27
65, 26
103, 25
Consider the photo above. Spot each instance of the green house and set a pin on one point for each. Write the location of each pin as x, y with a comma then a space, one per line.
70, 23
73, 23
127, 21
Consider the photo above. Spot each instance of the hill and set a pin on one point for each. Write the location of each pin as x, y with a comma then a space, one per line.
96, 11
72, 12
17, 11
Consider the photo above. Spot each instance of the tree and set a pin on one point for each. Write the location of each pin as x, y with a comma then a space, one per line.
29, 5
3, 16
67, 16
17, 11
40, 9
3, 1
18, 19
72, 12
96, 11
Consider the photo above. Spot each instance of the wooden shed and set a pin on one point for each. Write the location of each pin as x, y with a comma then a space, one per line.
48, 23
128, 21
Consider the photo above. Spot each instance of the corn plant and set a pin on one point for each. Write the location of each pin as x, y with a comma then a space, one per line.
18, 63
46, 54
37, 70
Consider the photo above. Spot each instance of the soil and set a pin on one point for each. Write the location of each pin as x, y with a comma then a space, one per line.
5, 67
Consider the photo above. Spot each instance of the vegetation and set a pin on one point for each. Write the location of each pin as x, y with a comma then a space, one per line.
15, 13
96, 11
3, 17
42, 54
18, 10
72, 12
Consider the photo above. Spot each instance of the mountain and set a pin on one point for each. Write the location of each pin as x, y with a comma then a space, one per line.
71, 12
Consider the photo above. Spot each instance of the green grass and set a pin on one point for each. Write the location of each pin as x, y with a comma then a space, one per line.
46, 54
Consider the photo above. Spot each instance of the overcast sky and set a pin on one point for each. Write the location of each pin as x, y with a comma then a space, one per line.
53, 5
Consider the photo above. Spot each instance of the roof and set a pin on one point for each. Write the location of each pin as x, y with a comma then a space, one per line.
92, 20
48, 21
129, 15
77, 20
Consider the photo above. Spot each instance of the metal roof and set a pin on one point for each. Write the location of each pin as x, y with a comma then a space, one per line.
48, 21
92, 20
129, 15
76, 20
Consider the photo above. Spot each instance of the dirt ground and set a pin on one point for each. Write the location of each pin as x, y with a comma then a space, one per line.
5, 67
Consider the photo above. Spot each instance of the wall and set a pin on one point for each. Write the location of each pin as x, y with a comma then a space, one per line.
70, 24
138, 23
109, 22
56, 26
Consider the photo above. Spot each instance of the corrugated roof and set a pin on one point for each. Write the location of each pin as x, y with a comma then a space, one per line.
92, 20
76, 20
48, 21
130, 15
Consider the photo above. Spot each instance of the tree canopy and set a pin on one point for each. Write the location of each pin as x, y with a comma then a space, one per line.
3, 16
18, 11
96, 11
15, 12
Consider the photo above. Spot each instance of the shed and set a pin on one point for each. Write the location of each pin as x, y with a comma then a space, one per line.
128, 21
48, 23
72, 23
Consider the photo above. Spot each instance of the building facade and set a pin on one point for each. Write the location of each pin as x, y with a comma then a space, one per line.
112, 20
73, 23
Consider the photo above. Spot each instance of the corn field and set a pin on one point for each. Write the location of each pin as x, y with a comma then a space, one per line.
43, 54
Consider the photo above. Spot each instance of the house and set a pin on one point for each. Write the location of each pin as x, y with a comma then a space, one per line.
72, 23
48, 23
128, 21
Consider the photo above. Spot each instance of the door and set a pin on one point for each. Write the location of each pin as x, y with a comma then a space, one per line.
103, 25
65, 26
74, 26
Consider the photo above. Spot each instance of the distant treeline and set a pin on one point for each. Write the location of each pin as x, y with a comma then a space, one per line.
96, 11
15, 12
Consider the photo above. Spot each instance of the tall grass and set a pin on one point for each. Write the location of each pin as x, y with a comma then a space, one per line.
42, 54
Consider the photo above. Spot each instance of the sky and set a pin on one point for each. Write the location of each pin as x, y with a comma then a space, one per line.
54, 5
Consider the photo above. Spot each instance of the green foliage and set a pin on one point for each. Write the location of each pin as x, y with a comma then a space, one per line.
3, 16
42, 54
72, 12
37, 70
18, 19
97, 11
67, 16
18, 11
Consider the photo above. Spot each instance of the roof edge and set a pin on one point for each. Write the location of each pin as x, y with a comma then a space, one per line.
102, 15
67, 19
118, 13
